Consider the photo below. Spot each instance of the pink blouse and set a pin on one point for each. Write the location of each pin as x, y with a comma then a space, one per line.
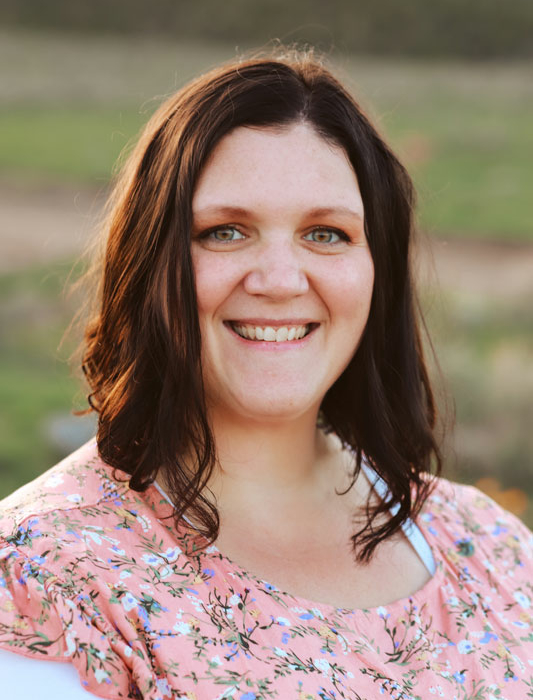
96, 575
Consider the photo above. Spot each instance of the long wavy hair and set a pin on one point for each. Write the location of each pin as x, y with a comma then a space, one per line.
142, 348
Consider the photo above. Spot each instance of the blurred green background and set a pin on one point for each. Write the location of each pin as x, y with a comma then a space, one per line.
449, 83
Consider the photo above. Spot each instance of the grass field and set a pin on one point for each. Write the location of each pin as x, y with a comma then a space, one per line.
35, 383
72, 104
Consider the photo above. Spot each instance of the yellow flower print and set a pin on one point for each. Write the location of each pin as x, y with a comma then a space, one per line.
453, 556
20, 624
502, 651
135, 624
191, 695
324, 631
481, 503
254, 612
437, 666
524, 617
511, 542
123, 513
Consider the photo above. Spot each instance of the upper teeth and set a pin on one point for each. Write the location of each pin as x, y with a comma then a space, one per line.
271, 334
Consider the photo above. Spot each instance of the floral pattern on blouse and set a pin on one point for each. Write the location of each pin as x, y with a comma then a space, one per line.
95, 574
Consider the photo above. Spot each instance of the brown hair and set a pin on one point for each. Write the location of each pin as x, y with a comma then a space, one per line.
142, 343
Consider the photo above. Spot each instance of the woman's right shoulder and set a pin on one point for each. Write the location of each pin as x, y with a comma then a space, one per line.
60, 593
56, 518
81, 480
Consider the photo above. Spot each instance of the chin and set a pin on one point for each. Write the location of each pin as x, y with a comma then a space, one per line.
272, 409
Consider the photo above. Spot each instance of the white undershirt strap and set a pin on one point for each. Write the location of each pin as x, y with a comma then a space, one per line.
410, 529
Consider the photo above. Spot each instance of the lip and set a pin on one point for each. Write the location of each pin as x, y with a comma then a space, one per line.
272, 346
273, 323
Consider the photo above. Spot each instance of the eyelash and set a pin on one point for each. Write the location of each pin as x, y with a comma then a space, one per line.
327, 229
217, 229
319, 229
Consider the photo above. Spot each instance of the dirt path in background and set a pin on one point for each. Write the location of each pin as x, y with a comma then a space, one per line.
502, 272
46, 224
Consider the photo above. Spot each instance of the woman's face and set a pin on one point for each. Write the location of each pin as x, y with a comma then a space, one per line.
283, 271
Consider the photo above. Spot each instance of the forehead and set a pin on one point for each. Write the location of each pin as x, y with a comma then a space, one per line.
277, 167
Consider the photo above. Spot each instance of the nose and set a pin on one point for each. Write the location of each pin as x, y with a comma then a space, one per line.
277, 272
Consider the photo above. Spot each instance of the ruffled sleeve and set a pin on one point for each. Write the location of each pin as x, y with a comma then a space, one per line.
41, 618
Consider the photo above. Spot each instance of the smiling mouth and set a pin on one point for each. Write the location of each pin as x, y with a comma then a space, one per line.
269, 334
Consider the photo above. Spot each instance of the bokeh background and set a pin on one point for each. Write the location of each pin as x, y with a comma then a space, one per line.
450, 84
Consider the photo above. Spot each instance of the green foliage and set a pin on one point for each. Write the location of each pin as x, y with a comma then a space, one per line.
72, 106
475, 178
65, 141
477, 28
484, 347
35, 378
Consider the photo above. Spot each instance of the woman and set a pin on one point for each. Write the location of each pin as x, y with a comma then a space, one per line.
256, 517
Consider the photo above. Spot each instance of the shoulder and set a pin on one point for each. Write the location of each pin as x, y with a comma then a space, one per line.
61, 537
81, 480
76, 517
48, 521
474, 509
467, 524
70, 518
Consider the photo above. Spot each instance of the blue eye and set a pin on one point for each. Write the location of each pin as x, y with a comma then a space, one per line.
324, 235
225, 234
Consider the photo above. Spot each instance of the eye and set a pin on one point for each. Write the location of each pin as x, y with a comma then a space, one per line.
224, 234
326, 235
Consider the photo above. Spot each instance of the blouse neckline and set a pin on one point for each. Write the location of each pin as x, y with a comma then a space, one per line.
417, 598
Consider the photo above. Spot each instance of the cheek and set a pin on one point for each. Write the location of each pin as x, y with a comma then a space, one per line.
351, 289
215, 280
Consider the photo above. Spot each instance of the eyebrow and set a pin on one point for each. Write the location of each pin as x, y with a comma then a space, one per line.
326, 211
233, 211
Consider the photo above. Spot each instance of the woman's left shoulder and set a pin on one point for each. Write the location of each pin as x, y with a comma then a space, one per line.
466, 502
58, 535
473, 524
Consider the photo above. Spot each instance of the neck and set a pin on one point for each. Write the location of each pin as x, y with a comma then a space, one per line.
280, 462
